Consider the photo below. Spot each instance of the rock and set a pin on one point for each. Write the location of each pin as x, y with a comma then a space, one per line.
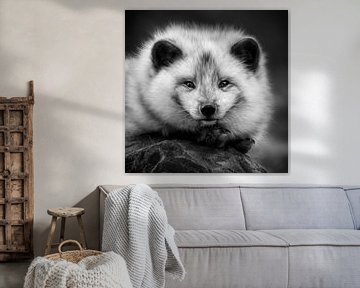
154, 154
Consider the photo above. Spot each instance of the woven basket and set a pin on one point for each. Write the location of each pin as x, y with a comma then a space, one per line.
72, 256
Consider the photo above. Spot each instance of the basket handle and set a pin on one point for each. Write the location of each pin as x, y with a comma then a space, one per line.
69, 241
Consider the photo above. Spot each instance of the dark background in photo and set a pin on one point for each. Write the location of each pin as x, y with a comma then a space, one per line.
270, 27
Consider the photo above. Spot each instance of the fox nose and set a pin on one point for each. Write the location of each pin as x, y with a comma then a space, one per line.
208, 110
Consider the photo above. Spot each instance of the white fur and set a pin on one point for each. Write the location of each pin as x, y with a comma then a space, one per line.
148, 90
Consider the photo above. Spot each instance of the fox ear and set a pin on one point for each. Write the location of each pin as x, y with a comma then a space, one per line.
164, 53
248, 52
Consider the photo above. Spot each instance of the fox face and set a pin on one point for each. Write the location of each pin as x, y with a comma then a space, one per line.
202, 80
206, 90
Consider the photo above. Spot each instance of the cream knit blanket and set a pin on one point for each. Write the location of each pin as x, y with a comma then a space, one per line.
103, 271
136, 227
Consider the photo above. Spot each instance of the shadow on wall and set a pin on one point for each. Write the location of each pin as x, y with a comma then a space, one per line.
91, 4
91, 222
72, 162
68, 159
71, 133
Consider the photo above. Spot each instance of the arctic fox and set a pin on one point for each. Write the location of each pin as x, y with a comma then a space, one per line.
209, 83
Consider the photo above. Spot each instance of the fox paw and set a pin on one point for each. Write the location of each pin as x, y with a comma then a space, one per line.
222, 138
243, 145
216, 137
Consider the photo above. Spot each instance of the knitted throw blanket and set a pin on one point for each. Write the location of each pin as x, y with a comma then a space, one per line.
103, 271
136, 227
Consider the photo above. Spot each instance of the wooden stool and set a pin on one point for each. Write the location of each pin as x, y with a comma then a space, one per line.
64, 213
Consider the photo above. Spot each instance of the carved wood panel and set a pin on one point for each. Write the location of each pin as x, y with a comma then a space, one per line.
16, 177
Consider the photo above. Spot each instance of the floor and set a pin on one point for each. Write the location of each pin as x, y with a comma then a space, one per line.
12, 274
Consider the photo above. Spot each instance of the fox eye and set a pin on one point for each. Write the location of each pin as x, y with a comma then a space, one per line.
223, 83
189, 84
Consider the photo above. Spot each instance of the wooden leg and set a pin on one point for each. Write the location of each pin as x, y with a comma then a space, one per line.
51, 235
62, 231
82, 232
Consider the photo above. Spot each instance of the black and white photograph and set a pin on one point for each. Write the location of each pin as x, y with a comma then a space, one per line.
206, 91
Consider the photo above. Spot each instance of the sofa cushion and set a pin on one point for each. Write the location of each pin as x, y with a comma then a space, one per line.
328, 258
191, 208
296, 208
199, 207
315, 237
324, 266
217, 267
226, 238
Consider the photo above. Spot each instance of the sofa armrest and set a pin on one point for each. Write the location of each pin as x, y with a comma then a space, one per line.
103, 195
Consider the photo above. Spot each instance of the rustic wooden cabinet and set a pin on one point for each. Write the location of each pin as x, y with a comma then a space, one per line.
16, 177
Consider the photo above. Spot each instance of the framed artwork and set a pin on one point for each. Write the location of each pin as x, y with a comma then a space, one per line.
206, 91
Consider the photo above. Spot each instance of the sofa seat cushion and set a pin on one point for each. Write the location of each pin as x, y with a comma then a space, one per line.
226, 238
322, 258
231, 258
317, 237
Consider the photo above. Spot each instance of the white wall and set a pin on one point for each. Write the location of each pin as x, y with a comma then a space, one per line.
74, 51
